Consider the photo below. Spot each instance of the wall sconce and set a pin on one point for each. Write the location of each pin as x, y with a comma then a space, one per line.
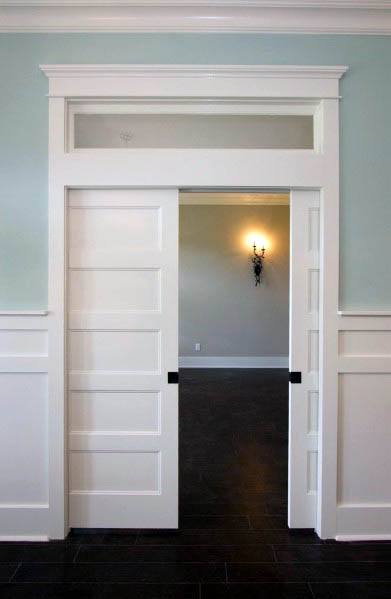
257, 260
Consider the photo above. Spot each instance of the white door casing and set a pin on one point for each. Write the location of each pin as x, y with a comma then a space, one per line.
122, 342
303, 358
217, 89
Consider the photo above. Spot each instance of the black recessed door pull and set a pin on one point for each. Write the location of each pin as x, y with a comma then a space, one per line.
295, 377
172, 378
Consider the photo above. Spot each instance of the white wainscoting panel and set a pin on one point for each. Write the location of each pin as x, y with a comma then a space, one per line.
114, 289
101, 472
131, 412
112, 351
364, 440
23, 427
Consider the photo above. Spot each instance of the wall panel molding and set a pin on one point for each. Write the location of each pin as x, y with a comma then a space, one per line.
24, 509
236, 16
364, 367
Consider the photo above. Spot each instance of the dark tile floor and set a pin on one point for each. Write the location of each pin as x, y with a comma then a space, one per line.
233, 540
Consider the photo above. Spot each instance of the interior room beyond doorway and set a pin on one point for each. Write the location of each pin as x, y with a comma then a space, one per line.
233, 357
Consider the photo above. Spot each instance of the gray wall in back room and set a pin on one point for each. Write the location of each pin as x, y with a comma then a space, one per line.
219, 305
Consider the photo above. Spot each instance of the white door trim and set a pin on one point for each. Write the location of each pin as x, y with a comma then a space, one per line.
303, 169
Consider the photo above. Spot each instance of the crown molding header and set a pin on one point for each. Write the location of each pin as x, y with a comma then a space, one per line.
367, 17
249, 82
178, 70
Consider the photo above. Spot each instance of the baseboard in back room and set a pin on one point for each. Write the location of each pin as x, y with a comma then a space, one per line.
233, 361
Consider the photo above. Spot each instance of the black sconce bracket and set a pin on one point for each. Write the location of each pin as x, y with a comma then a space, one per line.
257, 260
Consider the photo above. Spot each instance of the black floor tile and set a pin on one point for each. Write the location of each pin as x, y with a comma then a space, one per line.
213, 509
262, 504
106, 572
115, 538
309, 572
256, 591
341, 552
266, 522
98, 591
347, 590
227, 537
176, 554
7, 571
37, 552
225, 522
50, 591
151, 591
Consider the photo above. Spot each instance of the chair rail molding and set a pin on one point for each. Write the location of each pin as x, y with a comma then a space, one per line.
368, 17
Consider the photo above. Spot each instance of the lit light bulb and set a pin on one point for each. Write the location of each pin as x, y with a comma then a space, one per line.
255, 239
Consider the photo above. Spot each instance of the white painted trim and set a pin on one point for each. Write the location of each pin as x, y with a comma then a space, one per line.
214, 16
24, 322
370, 313
19, 363
23, 312
233, 361
186, 70
360, 520
362, 537
270, 169
375, 4
19, 522
24, 538
217, 82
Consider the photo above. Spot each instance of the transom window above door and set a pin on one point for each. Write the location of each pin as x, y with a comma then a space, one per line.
209, 125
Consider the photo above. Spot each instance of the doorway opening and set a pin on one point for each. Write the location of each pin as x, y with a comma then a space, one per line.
233, 359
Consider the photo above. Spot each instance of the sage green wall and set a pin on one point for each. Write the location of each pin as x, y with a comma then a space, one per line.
365, 142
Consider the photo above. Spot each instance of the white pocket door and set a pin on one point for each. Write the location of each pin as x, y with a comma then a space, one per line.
122, 343
304, 359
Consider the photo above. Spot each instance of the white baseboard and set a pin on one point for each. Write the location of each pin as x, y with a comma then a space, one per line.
20, 522
363, 538
24, 538
233, 361
364, 522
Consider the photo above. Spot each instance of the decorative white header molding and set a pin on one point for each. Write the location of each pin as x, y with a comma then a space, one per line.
186, 70
194, 81
368, 17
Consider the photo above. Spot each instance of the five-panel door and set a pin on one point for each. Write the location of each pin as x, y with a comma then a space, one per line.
304, 358
122, 285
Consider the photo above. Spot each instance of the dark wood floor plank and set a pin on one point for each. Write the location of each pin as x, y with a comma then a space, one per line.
7, 571
256, 591
309, 572
215, 522
227, 537
99, 591
176, 554
111, 572
360, 590
37, 552
341, 552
